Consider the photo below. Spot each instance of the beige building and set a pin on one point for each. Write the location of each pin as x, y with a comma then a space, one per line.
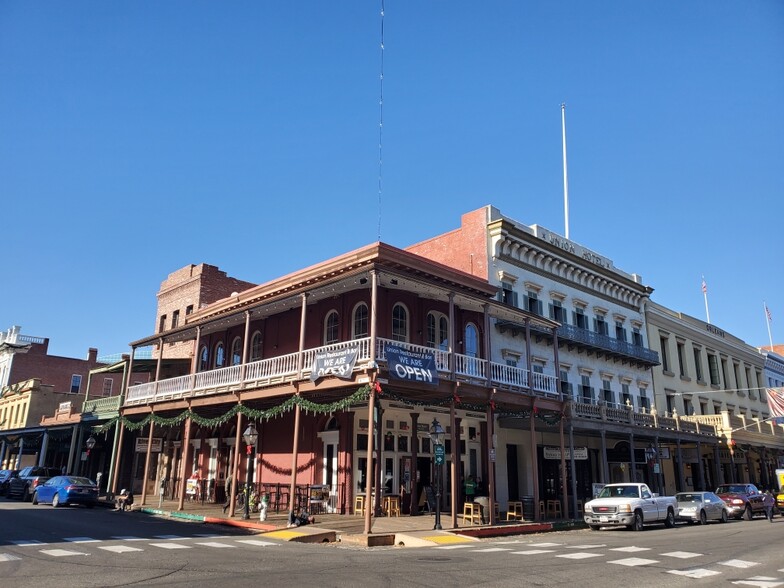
710, 376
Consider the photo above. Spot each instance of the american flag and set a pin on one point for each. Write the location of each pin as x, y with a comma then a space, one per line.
776, 401
767, 311
704, 286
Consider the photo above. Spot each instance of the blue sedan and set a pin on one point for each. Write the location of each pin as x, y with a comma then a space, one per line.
63, 490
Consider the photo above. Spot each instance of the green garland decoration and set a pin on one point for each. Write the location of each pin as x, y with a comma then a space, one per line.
358, 397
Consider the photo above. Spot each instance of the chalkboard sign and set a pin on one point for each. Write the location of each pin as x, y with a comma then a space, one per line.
429, 499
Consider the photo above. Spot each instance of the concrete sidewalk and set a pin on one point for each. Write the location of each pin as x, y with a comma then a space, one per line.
409, 531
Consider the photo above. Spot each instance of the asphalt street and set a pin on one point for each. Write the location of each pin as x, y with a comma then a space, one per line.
40, 545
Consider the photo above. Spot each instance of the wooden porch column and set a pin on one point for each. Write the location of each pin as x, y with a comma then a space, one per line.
717, 471
297, 410
534, 460
455, 469
147, 463
369, 465
573, 467
120, 434
414, 507
245, 344
563, 472
196, 358
681, 481
235, 467
633, 473
491, 462
186, 449
605, 464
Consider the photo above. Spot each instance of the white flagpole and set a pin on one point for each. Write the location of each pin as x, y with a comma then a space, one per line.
767, 320
705, 295
566, 182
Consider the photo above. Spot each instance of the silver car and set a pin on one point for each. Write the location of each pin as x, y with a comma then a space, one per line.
701, 507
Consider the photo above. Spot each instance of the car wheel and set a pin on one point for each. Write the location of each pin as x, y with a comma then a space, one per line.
26, 494
724, 516
703, 518
35, 497
594, 527
55, 501
669, 522
747, 515
637, 524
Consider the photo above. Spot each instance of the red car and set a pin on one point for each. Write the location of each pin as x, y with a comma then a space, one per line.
743, 500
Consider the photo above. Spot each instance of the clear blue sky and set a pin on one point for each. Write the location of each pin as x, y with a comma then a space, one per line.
139, 137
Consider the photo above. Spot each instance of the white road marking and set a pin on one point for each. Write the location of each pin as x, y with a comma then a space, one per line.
760, 582
259, 543
119, 548
545, 544
168, 537
532, 552
630, 548
633, 561
697, 573
579, 555
61, 552
214, 544
682, 554
491, 549
586, 546
80, 539
127, 538
7, 557
28, 543
738, 563
171, 545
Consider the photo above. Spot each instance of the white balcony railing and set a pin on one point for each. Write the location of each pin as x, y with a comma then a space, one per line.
283, 368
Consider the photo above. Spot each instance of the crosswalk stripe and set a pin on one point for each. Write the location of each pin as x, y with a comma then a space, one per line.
60, 552
119, 548
80, 539
8, 557
579, 555
171, 545
760, 582
630, 548
27, 543
215, 544
682, 554
257, 542
738, 563
633, 561
696, 573
127, 538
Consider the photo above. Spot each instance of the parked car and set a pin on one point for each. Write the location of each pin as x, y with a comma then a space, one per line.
780, 501
701, 507
5, 477
65, 490
629, 504
28, 479
744, 500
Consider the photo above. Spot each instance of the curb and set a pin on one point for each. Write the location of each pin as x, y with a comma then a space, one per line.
206, 519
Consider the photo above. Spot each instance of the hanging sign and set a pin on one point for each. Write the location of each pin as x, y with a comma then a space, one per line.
141, 445
412, 366
555, 453
339, 363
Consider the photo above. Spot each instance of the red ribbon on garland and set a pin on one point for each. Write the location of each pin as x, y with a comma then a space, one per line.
456, 398
377, 388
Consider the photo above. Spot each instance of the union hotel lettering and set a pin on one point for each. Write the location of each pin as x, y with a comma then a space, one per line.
586, 254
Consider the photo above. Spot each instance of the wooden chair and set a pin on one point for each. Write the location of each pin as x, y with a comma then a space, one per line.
392, 506
359, 505
554, 509
472, 513
514, 511
542, 511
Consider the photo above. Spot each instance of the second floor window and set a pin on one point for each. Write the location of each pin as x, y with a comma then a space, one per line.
558, 312
255, 346
600, 325
220, 356
175, 319
399, 323
76, 383
360, 322
107, 386
507, 295
620, 331
331, 328
713, 366
236, 351
437, 331
203, 359
579, 319
471, 341
698, 364
532, 303
162, 323
637, 337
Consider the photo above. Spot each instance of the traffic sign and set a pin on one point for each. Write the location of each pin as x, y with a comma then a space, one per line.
439, 452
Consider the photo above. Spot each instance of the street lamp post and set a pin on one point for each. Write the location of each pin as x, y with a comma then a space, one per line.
437, 437
650, 454
250, 436
90, 443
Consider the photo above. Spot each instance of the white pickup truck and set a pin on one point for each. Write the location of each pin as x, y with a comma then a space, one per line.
632, 505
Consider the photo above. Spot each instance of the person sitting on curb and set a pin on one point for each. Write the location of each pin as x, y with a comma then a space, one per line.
303, 518
123, 500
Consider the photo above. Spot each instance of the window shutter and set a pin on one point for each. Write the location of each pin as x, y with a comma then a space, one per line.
595, 325
552, 311
525, 302
514, 299
574, 317
539, 308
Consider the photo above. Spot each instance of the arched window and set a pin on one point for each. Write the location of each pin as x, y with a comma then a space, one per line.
331, 330
203, 359
220, 355
360, 321
236, 351
255, 346
471, 340
399, 323
437, 331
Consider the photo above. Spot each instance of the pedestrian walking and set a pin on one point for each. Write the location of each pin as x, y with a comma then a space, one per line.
768, 501
227, 487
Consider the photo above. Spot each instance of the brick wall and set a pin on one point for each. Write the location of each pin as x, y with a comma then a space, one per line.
464, 249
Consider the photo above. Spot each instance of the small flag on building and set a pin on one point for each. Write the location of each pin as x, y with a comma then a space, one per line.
767, 312
704, 286
776, 402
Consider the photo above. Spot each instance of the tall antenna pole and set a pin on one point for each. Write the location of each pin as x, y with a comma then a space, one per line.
705, 295
381, 122
566, 181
